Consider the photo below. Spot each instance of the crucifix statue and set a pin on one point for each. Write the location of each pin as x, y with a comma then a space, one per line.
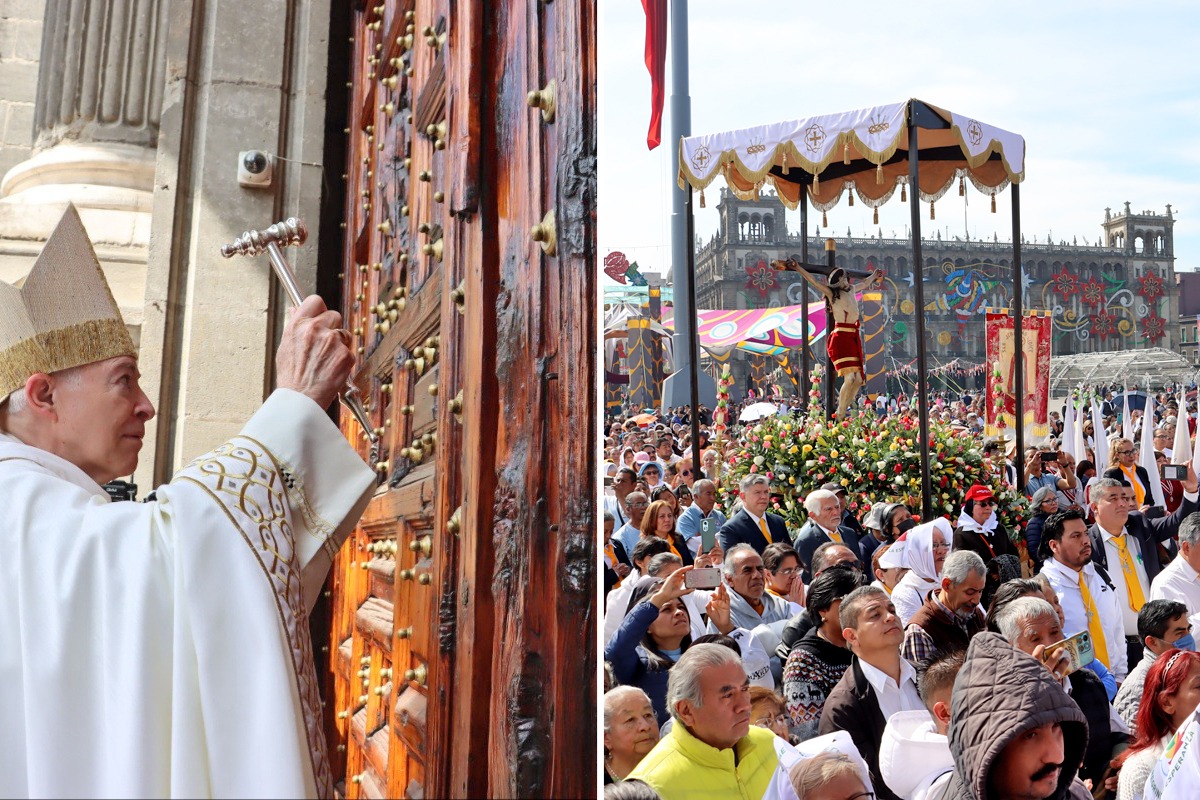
843, 342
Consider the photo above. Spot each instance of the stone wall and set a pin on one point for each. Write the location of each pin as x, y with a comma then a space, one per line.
20, 44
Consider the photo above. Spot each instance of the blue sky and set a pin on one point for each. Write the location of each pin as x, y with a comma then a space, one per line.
1106, 94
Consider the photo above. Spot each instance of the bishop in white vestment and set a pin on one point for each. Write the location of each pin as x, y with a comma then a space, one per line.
162, 649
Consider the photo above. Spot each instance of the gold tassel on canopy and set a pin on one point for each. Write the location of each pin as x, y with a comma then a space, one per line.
702, 198
904, 193
816, 183
932, 213
824, 220
993, 202
879, 174
850, 192
875, 216
846, 153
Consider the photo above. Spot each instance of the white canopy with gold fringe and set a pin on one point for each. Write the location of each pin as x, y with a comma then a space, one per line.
866, 149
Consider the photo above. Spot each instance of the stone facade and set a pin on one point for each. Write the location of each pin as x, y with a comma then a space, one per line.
20, 45
136, 112
1115, 294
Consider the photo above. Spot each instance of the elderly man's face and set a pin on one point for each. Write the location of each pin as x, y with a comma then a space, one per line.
705, 497
749, 578
828, 513
636, 504
838, 554
723, 716
756, 497
1028, 768
1040, 631
99, 417
963, 599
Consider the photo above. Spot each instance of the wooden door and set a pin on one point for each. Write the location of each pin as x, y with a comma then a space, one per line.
461, 647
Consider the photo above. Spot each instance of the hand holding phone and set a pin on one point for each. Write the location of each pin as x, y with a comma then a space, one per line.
703, 578
1077, 649
1174, 472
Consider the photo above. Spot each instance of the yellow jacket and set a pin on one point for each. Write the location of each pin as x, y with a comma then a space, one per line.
681, 766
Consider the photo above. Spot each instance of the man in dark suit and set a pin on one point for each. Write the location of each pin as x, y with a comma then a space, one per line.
1125, 544
824, 525
753, 525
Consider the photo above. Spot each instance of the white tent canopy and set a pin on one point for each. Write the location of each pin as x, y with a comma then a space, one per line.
866, 148
1121, 367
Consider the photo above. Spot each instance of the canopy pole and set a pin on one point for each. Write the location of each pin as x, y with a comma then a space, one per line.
1018, 340
831, 262
804, 365
693, 341
918, 267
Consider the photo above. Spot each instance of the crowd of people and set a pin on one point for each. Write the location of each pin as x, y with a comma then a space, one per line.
876, 652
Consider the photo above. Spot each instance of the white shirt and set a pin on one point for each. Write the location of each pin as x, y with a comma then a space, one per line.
892, 697
1066, 585
1128, 615
1178, 581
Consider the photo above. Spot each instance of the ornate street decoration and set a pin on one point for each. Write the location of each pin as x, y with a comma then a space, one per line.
701, 157
761, 278
1091, 292
615, 266
1153, 327
1103, 324
1150, 286
1064, 283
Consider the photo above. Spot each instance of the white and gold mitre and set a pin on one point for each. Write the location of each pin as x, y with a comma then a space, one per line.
64, 315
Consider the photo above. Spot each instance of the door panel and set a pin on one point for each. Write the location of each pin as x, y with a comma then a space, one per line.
462, 606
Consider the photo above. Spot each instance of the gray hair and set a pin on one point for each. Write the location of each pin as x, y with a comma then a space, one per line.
609, 517
1103, 485
752, 480
1011, 617
1041, 580
1042, 495
813, 501
615, 695
808, 775
960, 564
661, 560
1189, 529
683, 681
702, 484
732, 554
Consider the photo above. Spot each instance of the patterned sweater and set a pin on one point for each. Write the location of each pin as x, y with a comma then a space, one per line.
814, 667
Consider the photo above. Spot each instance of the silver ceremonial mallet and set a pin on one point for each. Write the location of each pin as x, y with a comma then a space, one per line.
292, 232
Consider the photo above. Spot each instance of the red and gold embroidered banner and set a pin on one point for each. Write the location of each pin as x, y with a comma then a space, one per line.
1035, 360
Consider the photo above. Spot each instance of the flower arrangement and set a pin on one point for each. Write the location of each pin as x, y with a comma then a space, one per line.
876, 460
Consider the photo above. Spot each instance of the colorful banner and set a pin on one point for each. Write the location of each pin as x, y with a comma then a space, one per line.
1002, 353
763, 331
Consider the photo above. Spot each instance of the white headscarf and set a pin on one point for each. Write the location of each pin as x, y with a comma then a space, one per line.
918, 551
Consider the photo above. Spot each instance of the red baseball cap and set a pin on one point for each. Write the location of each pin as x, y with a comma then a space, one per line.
979, 492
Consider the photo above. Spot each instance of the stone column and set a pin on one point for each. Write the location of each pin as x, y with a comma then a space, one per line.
96, 114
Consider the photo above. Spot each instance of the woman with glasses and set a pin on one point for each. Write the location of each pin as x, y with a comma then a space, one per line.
1043, 503
783, 572
1123, 466
767, 711
925, 549
979, 528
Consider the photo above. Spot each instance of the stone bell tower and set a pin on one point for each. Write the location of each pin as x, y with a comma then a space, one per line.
1147, 241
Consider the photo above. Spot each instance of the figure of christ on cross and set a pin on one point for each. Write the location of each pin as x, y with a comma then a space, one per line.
843, 343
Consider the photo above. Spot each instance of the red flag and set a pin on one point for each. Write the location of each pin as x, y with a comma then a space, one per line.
656, 63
